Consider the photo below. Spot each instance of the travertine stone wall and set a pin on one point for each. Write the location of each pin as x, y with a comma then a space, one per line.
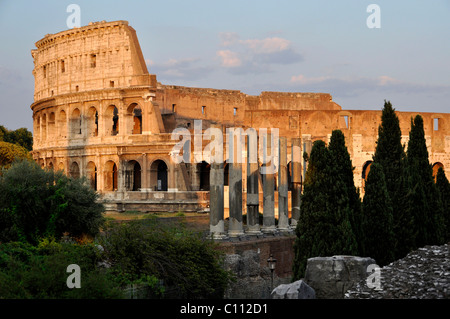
99, 113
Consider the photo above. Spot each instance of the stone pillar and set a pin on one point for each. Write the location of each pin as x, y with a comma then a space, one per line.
296, 180
283, 217
253, 227
216, 205
268, 187
235, 227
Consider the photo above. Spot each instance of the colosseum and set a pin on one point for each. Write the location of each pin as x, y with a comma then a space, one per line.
99, 113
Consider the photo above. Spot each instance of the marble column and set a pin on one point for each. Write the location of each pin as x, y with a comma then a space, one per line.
253, 227
235, 227
216, 198
283, 217
296, 180
268, 178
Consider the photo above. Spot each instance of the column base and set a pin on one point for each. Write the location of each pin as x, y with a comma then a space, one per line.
218, 236
236, 234
269, 230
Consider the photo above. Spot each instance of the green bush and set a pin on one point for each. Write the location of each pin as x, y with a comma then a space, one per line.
37, 203
40, 272
183, 260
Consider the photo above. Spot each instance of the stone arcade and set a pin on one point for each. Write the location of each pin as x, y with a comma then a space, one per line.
99, 113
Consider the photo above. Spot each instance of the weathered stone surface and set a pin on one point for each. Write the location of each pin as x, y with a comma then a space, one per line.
98, 112
331, 277
296, 290
252, 280
422, 274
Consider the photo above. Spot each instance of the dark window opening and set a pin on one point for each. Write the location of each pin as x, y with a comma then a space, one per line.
137, 121
115, 128
93, 60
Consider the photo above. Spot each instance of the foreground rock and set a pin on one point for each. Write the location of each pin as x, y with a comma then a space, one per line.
331, 277
252, 280
296, 290
422, 274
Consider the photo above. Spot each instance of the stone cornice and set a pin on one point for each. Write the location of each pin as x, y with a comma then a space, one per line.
52, 38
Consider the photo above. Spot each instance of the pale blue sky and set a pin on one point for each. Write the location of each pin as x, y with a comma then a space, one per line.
254, 46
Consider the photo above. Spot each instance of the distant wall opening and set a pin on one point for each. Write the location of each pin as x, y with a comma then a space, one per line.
159, 176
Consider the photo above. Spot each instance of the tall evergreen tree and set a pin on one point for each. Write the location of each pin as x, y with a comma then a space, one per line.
343, 163
378, 223
324, 228
423, 199
443, 187
390, 154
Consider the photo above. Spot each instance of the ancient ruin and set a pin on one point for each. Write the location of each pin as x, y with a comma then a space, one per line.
99, 113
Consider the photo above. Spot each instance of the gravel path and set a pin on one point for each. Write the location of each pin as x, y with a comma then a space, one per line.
422, 274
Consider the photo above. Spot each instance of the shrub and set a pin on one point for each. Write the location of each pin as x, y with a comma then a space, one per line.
40, 272
36, 203
183, 260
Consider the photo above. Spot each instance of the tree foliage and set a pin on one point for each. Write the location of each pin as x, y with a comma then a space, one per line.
21, 137
378, 222
40, 272
324, 227
340, 158
188, 264
11, 152
423, 200
443, 187
37, 203
390, 154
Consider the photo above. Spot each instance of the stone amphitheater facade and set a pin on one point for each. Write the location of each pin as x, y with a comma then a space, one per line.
99, 113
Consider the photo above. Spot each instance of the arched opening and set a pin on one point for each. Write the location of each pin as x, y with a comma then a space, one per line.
76, 122
74, 170
226, 174
135, 116
204, 170
436, 167
50, 166
133, 176
365, 172
93, 122
37, 127
44, 127
62, 124
61, 167
51, 125
159, 175
289, 176
112, 120
92, 174
111, 176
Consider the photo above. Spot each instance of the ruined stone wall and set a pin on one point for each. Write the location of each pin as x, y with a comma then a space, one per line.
97, 112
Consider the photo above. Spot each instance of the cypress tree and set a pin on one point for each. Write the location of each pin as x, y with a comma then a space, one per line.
323, 228
341, 160
389, 151
423, 200
443, 187
378, 224
390, 154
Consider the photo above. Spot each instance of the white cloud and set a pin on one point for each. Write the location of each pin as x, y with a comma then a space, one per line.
386, 80
228, 38
255, 55
173, 69
268, 45
304, 80
229, 58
